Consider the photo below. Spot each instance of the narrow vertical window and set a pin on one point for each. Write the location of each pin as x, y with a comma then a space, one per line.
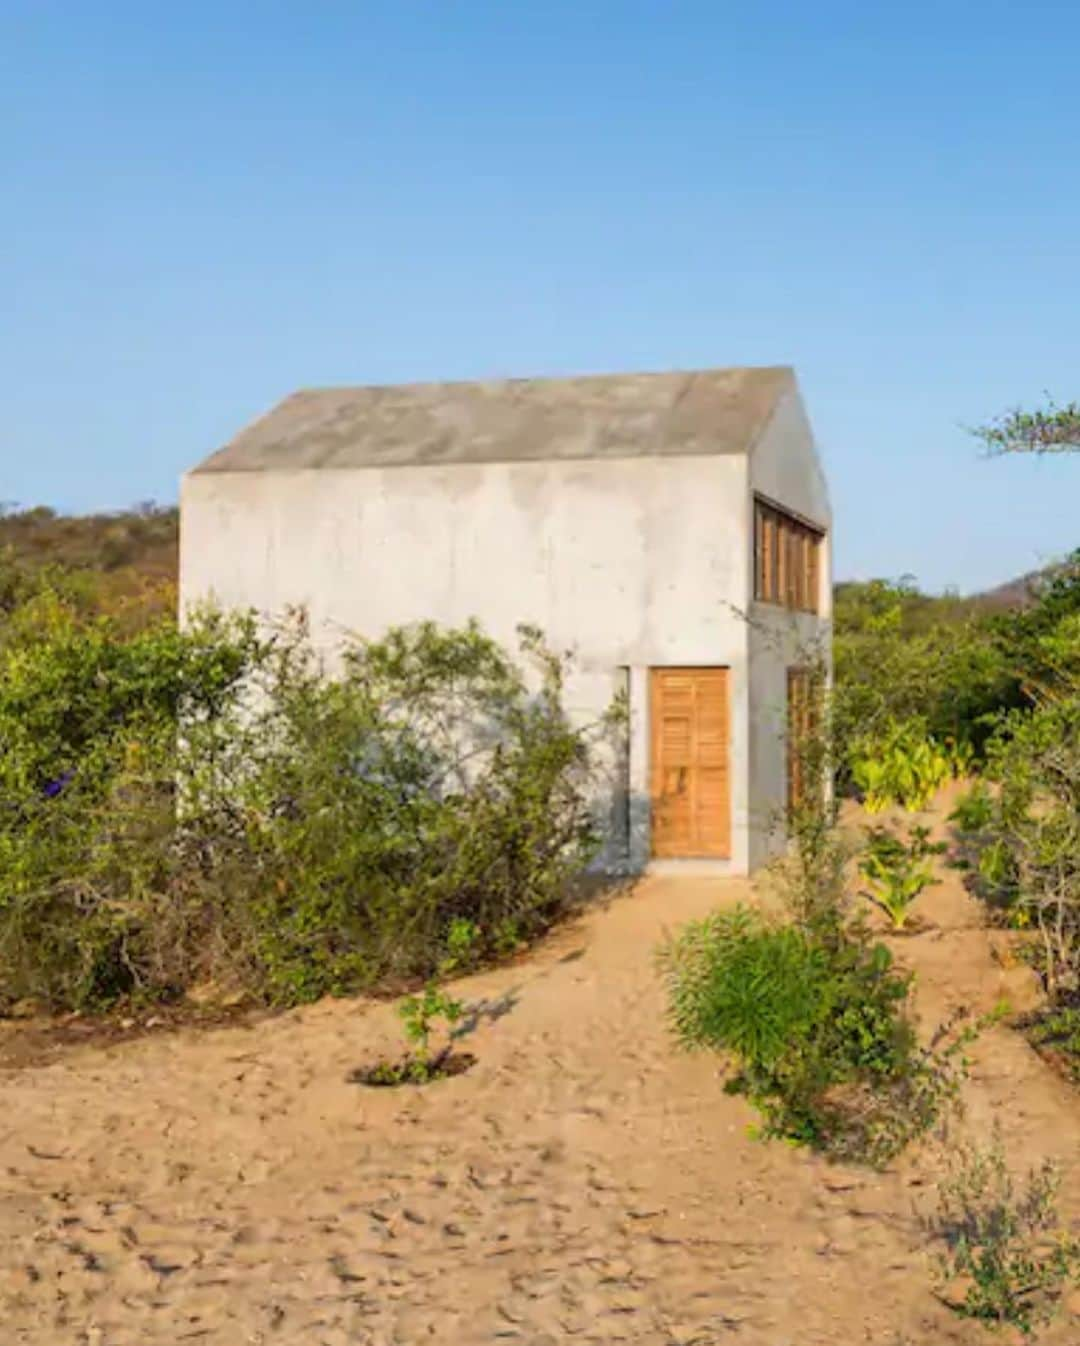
620, 793
799, 728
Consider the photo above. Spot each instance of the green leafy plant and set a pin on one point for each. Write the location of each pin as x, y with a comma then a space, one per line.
904, 766
420, 1014
1007, 1260
1055, 1031
817, 1027
898, 869
1029, 868
973, 812
463, 938
903, 657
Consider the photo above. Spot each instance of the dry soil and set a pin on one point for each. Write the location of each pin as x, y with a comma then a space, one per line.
582, 1183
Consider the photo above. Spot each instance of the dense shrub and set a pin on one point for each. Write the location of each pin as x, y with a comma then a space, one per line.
185, 806
1030, 858
933, 670
812, 1013
818, 1030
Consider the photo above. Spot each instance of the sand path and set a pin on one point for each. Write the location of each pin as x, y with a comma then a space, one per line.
580, 1184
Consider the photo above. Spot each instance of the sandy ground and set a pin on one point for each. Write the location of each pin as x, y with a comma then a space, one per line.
580, 1183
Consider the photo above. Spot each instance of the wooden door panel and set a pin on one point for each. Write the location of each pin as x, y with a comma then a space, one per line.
690, 783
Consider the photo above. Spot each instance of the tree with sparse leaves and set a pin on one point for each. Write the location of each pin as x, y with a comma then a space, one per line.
1050, 429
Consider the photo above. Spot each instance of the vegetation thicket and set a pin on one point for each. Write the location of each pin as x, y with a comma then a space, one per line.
207, 805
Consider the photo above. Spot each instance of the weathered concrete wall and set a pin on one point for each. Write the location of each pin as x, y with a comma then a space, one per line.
784, 467
630, 563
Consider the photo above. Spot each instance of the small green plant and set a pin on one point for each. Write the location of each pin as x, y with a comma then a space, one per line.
1007, 1260
420, 1014
974, 811
904, 765
898, 870
462, 941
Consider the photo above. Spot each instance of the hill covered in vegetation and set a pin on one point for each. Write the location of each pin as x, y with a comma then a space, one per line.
121, 564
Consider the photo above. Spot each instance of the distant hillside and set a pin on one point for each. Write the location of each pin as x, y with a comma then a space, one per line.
144, 538
1018, 593
122, 563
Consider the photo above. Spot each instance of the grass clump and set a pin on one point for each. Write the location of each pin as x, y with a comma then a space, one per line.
1007, 1260
1055, 1033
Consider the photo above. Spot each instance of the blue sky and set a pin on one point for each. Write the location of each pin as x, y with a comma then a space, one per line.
209, 205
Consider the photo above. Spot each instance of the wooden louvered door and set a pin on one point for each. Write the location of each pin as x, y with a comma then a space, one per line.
690, 786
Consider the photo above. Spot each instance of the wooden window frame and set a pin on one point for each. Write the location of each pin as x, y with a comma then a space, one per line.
787, 559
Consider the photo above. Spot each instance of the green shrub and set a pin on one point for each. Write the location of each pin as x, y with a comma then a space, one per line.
224, 812
903, 765
902, 656
974, 810
1030, 863
818, 1029
1005, 1248
1056, 1032
899, 869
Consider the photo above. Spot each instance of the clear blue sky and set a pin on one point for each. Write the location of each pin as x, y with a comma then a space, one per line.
207, 205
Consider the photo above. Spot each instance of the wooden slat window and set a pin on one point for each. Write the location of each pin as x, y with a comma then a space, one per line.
800, 727
787, 559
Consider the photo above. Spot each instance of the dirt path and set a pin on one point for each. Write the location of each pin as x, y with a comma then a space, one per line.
581, 1183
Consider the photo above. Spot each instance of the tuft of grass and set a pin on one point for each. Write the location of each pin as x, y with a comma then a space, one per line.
1007, 1259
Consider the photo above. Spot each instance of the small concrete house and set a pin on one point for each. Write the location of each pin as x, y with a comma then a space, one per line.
671, 529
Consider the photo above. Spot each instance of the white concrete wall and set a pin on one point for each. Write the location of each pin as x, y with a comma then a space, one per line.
630, 563
784, 468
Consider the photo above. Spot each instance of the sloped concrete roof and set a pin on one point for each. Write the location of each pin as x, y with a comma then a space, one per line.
711, 411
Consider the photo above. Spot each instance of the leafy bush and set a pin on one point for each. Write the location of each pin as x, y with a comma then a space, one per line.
1004, 1248
1055, 1031
952, 667
818, 1028
974, 811
899, 869
1031, 863
813, 1013
901, 657
222, 811
903, 765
